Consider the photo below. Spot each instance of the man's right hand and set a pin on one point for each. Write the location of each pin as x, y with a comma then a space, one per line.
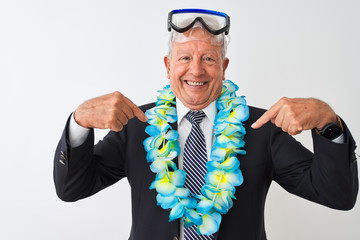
111, 111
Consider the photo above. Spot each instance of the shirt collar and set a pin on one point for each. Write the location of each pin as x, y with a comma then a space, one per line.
182, 110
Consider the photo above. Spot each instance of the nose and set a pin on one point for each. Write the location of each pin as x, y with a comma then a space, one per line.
196, 68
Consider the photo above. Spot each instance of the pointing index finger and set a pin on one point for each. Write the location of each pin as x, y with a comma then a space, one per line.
140, 114
136, 110
267, 116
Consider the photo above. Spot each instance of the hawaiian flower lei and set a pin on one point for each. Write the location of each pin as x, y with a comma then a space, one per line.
223, 172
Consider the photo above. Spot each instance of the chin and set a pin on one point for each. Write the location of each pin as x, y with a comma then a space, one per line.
198, 105
196, 108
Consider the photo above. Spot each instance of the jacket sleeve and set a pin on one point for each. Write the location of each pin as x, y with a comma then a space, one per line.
328, 176
84, 170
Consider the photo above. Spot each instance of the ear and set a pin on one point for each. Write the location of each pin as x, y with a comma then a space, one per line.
167, 65
225, 65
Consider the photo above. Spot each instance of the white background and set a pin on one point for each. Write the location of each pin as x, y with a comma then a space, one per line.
56, 54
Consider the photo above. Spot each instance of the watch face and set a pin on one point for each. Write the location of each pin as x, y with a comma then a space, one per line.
331, 131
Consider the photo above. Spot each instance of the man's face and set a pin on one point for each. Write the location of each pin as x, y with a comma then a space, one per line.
196, 71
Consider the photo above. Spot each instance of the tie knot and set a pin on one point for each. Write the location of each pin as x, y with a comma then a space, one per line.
195, 116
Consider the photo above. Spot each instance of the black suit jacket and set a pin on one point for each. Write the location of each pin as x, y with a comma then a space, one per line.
328, 177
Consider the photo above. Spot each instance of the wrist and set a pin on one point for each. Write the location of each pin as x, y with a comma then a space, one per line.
331, 130
77, 121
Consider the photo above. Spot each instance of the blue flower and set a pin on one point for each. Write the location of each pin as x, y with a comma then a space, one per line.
205, 205
166, 96
210, 225
181, 207
230, 164
192, 217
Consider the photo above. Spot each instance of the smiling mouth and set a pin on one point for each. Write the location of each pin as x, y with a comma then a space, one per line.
191, 83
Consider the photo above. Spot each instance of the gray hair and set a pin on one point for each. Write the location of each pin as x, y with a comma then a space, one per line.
221, 39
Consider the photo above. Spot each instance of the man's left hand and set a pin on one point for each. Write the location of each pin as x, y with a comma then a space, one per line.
294, 115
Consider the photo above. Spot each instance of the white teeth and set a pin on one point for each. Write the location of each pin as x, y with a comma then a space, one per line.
195, 83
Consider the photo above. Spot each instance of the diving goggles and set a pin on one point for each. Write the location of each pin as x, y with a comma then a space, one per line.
181, 20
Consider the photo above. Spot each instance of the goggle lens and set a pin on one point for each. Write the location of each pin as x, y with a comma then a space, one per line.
183, 19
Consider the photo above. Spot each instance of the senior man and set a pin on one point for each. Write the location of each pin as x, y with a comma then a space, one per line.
182, 158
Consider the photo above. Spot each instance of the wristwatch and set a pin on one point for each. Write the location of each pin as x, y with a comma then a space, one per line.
332, 131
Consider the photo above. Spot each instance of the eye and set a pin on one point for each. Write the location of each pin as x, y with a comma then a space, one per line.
209, 60
184, 59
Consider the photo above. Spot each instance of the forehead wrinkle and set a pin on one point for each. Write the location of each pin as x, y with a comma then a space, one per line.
181, 48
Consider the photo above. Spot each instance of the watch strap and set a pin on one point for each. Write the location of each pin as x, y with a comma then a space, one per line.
331, 127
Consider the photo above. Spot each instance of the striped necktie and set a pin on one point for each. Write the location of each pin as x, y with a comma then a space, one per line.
194, 162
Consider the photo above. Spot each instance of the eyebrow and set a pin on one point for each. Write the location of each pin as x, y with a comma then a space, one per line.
205, 51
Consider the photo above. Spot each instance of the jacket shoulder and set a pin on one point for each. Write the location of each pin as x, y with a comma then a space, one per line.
255, 113
147, 106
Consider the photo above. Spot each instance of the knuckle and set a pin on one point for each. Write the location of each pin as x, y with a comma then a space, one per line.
124, 121
133, 106
296, 123
117, 94
291, 131
295, 131
117, 128
291, 115
128, 112
116, 98
131, 115
278, 124
284, 99
286, 107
